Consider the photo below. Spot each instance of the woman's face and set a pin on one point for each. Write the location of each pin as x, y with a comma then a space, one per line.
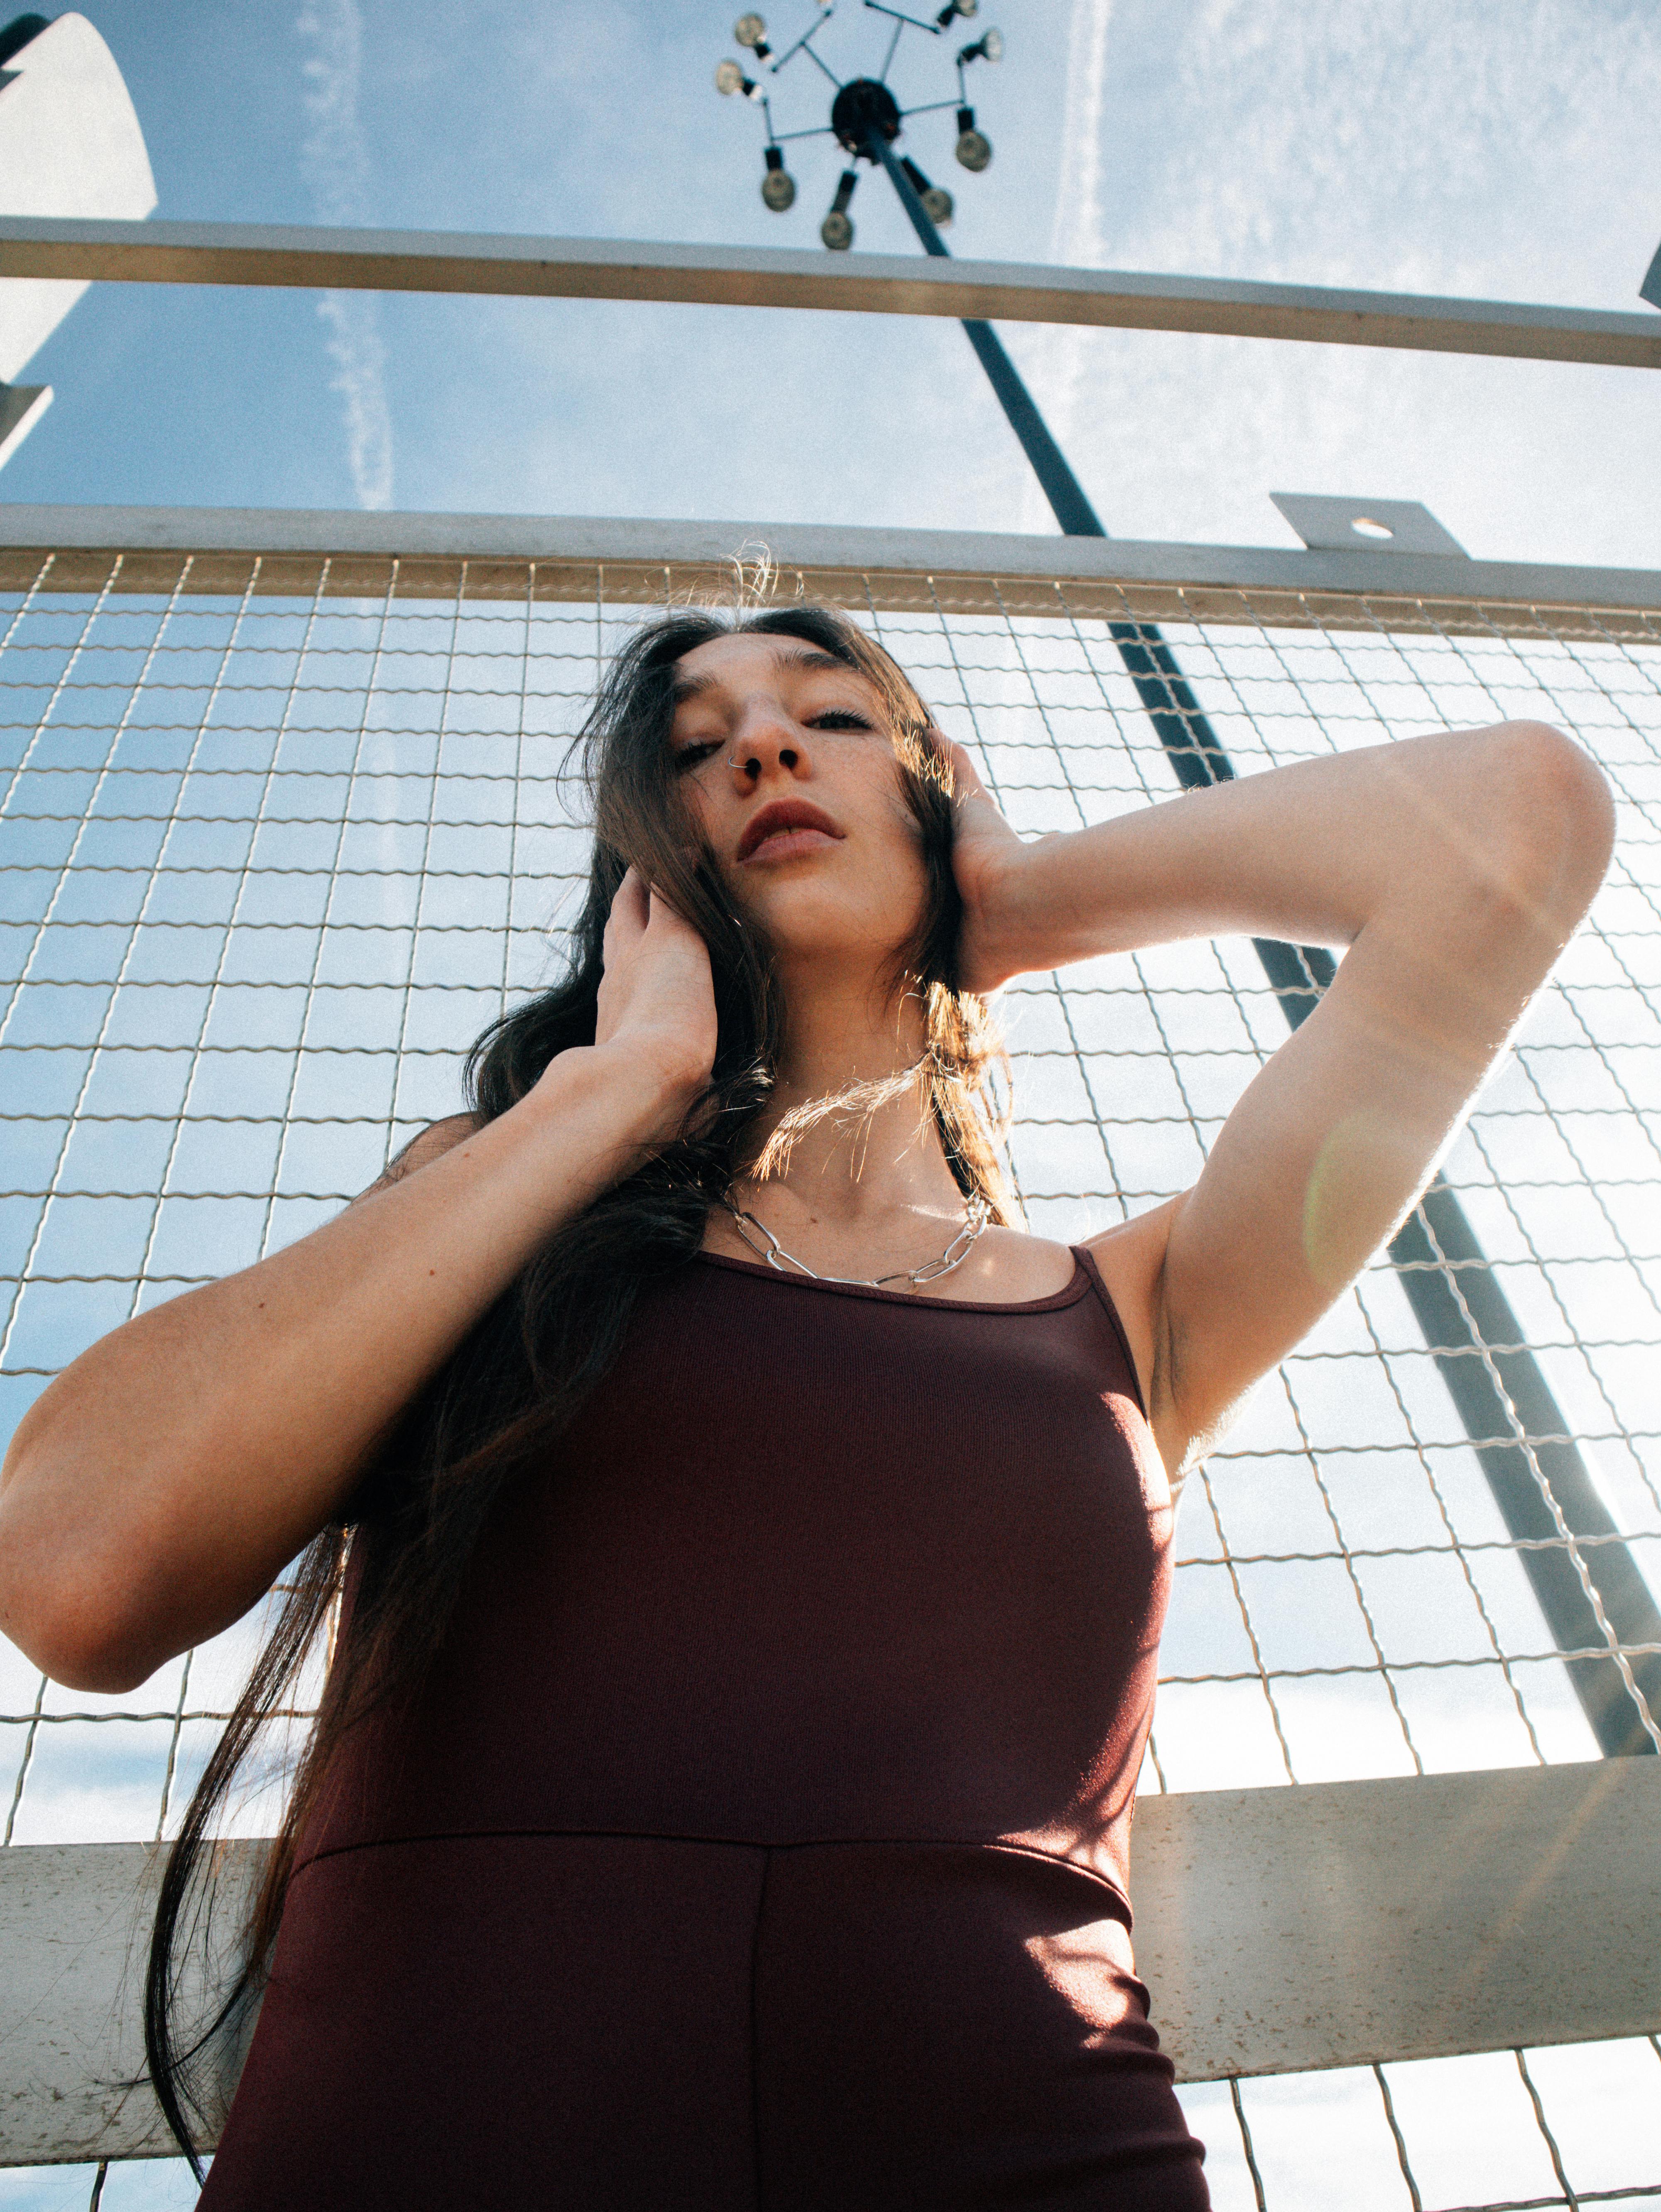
787, 763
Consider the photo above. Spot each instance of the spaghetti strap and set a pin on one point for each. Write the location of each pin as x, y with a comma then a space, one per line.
1086, 1259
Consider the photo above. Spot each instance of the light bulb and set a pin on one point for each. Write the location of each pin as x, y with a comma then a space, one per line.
936, 204
778, 187
992, 46
749, 30
974, 150
837, 229
729, 77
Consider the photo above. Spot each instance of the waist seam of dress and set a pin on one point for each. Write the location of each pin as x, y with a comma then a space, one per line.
1002, 1845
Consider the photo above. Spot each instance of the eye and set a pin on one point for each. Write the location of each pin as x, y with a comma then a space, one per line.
839, 718
688, 756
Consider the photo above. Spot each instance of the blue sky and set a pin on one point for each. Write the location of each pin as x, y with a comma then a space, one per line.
1436, 145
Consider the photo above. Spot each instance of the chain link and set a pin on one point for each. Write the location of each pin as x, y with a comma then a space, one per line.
979, 1213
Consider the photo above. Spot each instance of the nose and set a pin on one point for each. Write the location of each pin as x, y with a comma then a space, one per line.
767, 744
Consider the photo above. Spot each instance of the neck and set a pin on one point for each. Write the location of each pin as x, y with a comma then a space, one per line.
874, 1153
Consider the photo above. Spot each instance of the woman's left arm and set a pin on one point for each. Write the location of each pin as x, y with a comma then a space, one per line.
1453, 869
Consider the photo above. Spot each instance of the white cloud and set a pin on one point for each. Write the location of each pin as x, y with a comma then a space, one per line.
334, 160
355, 346
1077, 235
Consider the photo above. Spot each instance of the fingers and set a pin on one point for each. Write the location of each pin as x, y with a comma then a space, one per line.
630, 912
978, 814
966, 777
640, 910
667, 920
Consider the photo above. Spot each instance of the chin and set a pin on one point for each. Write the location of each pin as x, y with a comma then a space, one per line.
806, 922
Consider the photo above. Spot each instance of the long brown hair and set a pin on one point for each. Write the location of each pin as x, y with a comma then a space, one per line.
496, 1407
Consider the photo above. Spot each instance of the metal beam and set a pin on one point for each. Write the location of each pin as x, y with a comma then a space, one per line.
901, 567
1341, 1923
75, 1922
1278, 1929
859, 283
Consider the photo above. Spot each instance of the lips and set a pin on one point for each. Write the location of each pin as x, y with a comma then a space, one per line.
778, 819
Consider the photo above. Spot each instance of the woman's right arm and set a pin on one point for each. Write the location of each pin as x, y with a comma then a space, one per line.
161, 1483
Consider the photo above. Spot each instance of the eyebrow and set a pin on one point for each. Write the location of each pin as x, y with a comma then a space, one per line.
801, 656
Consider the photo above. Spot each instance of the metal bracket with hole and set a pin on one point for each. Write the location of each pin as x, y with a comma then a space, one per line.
1371, 525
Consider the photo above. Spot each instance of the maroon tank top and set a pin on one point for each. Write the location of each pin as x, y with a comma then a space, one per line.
818, 1561
843, 1608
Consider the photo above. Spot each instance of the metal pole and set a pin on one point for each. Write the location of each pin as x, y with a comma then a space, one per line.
1458, 1327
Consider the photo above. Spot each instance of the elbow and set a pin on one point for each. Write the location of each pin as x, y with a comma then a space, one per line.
88, 1586
1555, 822
72, 1632
70, 1608
73, 1648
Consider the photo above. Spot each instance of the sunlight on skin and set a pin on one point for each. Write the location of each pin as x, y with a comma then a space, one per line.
1361, 1165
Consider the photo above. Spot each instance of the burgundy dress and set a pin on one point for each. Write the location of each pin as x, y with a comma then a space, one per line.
761, 1844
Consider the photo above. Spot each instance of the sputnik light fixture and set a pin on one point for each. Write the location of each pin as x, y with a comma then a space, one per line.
864, 112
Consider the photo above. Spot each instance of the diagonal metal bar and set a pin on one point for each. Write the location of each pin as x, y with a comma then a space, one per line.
1479, 1345
1521, 1437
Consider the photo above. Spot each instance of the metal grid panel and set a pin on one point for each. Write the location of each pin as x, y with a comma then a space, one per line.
1348, 1601
272, 856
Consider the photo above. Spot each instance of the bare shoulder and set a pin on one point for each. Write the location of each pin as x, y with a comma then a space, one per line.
431, 1143
1131, 1259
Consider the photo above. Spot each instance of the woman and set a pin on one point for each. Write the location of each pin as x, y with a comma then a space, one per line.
758, 1544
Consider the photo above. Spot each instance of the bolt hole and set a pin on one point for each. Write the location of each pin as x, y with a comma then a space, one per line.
1365, 526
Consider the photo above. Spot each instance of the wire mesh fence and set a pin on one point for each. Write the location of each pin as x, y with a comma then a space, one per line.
279, 837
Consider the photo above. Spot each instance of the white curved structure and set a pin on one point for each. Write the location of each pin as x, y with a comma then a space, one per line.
69, 145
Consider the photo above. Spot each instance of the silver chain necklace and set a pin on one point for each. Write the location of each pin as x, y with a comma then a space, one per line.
978, 1215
